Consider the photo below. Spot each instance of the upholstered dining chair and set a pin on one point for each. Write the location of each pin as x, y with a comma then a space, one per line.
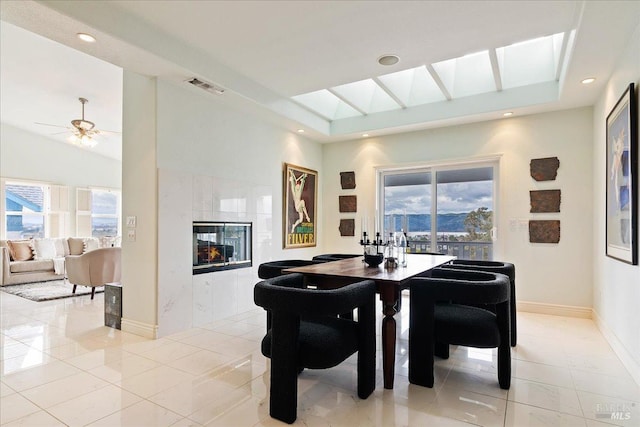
334, 257
303, 331
268, 270
439, 316
505, 268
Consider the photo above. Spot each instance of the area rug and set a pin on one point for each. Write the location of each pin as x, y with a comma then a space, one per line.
46, 291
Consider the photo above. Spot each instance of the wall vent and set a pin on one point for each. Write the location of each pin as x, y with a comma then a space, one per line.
209, 87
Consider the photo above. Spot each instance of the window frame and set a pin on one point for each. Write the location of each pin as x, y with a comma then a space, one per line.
439, 166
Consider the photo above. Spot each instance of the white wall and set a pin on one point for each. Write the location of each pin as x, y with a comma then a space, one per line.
218, 163
546, 273
139, 199
28, 156
616, 284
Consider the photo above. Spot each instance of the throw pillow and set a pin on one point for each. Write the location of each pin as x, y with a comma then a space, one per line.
44, 249
91, 243
62, 249
20, 250
76, 245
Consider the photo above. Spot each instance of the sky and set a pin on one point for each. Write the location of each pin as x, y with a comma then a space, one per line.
452, 198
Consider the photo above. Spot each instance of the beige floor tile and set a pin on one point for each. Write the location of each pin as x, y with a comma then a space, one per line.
612, 410
97, 358
525, 415
539, 372
200, 362
38, 375
170, 352
14, 407
469, 407
606, 385
36, 419
155, 380
201, 394
124, 368
140, 414
93, 406
559, 399
64, 389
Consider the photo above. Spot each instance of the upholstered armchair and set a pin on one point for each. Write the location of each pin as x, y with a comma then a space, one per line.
303, 331
94, 268
439, 316
505, 268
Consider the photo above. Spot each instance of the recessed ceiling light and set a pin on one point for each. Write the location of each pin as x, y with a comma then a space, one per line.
300, 130
388, 60
588, 80
508, 113
86, 37
364, 135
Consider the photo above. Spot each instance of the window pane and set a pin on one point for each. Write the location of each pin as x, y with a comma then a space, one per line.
24, 208
104, 203
465, 212
24, 198
101, 227
407, 206
25, 226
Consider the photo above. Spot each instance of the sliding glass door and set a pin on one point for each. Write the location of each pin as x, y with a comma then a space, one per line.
444, 209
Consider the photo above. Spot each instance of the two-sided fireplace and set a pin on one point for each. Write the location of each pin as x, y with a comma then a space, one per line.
221, 246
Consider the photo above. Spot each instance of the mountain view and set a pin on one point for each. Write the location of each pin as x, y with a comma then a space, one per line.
450, 222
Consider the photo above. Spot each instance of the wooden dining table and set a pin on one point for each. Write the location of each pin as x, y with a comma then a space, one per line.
389, 284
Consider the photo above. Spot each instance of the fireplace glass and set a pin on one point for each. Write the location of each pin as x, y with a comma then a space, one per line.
221, 246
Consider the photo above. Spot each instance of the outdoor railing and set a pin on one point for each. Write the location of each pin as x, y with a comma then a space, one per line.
462, 250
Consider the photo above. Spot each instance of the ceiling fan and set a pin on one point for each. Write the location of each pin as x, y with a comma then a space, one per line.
82, 130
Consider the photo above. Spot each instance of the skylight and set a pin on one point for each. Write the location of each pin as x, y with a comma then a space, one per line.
521, 64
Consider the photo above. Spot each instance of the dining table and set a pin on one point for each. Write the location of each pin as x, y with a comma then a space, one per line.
389, 285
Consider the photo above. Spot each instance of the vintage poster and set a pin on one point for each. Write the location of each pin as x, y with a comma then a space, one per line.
300, 204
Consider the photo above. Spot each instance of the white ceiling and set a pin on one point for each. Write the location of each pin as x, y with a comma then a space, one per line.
265, 52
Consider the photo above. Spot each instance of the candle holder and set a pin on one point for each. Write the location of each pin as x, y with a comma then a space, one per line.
372, 254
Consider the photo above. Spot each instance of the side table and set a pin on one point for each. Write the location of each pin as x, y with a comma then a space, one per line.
113, 304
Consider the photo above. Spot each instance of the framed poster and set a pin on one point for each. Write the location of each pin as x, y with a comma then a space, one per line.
300, 204
622, 179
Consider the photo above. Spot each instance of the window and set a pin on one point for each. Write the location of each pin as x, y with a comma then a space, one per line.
25, 208
457, 202
98, 212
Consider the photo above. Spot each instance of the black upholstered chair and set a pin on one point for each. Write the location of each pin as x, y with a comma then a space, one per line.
272, 269
505, 268
303, 331
334, 257
439, 315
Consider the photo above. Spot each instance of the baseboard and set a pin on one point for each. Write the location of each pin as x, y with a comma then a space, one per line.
619, 349
139, 328
555, 309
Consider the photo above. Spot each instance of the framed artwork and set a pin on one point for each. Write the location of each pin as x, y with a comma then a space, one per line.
300, 191
622, 179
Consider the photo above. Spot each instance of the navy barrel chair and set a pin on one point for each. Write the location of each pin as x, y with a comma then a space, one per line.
505, 268
439, 315
304, 331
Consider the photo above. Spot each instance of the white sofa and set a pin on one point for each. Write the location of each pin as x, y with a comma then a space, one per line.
38, 269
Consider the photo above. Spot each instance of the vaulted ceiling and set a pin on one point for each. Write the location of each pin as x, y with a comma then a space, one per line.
457, 59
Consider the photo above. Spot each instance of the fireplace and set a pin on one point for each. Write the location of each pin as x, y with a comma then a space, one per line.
221, 246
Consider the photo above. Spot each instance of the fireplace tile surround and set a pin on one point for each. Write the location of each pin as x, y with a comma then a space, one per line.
186, 300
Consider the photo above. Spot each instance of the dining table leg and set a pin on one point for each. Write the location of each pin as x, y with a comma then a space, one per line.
390, 306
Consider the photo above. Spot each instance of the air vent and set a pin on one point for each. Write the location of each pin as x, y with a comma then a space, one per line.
209, 87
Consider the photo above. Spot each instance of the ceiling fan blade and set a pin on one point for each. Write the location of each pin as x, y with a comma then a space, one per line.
109, 131
59, 133
48, 124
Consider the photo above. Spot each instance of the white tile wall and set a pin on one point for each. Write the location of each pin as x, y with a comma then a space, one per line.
186, 300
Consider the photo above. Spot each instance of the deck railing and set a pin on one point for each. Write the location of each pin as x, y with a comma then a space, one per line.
462, 250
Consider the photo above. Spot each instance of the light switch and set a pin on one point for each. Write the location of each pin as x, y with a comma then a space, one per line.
131, 221
131, 234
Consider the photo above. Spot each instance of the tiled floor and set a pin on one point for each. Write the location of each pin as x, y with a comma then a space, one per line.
60, 366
